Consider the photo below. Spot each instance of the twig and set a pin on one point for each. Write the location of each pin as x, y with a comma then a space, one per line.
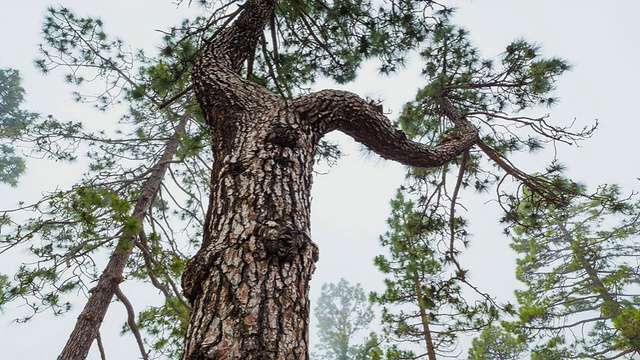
175, 97
131, 320
452, 209
103, 354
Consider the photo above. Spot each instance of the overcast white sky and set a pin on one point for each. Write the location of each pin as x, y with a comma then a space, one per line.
350, 204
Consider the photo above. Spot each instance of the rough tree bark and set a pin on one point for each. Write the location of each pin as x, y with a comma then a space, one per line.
88, 323
249, 282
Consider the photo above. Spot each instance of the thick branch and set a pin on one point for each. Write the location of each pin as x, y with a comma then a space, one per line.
341, 110
219, 88
234, 44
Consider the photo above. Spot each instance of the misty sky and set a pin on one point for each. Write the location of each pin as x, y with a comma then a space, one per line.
350, 203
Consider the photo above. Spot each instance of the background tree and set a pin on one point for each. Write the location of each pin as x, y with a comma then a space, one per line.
13, 120
342, 311
579, 265
423, 300
494, 343
426, 238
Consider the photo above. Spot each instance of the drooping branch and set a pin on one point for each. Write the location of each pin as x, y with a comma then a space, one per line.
540, 185
347, 112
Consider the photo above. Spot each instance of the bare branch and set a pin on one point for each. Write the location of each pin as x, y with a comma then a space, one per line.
131, 321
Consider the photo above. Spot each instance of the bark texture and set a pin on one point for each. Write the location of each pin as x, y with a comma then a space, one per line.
88, 323
249, 282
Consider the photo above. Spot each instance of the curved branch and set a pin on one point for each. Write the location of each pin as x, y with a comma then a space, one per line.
131, 321
151, 264
347, 112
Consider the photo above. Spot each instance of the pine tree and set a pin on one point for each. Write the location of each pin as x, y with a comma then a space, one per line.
494, 343
143, 183
222, 111
342, 311
578, 263
423, 300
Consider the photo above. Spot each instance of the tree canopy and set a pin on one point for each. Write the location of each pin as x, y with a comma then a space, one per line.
142, 202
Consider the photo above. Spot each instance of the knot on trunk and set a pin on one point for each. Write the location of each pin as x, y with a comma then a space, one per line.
284, 242
285, 137
194, 273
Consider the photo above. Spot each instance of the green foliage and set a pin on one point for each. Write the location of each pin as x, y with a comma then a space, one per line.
423, 296
334, 38
578, 264
454, 66
5, 292
627, 323
499, 97
13, 121
12, 118
74, 226
375, 348
342, 311
370, 350
494, 343
307, 39
522, 80
11, 164
68, 233
79, 44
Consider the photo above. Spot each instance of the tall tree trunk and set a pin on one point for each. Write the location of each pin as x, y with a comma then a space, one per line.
424, 319
88, 323
249, 282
